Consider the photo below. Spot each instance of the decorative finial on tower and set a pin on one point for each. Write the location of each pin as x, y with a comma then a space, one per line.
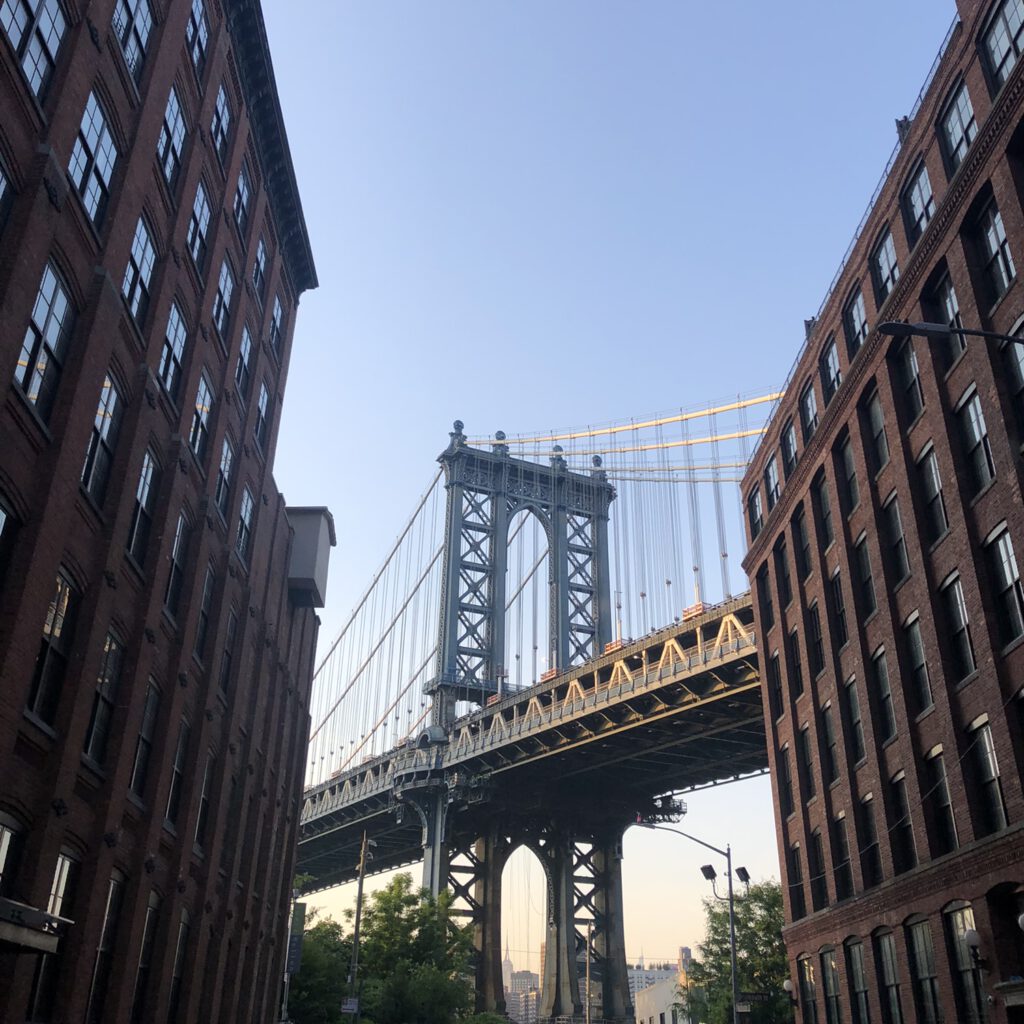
556, 456
458, 438
500, 448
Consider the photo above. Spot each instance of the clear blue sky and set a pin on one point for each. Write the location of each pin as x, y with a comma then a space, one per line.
544, 214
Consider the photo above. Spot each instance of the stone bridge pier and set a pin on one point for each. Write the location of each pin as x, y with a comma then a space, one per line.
583, 871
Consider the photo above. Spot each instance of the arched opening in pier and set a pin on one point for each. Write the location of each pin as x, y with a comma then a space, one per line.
527, 602
524, 930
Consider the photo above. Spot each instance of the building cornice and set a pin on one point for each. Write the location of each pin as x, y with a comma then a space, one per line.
256, 70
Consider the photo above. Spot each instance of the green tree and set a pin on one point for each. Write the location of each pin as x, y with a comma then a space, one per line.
761, 964
316, 991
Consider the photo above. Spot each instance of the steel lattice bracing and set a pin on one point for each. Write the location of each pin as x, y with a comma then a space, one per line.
485, 490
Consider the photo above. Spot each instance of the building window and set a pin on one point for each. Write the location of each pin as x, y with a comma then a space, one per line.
883, 696
853, 717
144, 743
755, 514
172, 140
842, 868
222, 300
45, 346
922, 970
901, 828
816, 871
815, 642
943, 307
139, 272
259, 270
989, 808
177, 774
203, 817
994, 252
142, 515
785, 782
823, 506
243, 370
828, 368
44, 984
808, 990
93, 159
958, 127
261, 429
802, 544
851, 489
224, 676
828, 729
875, 422
908, 376
198, 225
865, 579
172, 352
830, 983
918, 204
175, 578
142, 971
855, 323
242, 196
764, 599
34, 29
100, 451
276, 325
796, 676
885, 271
782, 572
197, 35
54, 652
205, 608
244, 535
838, 608
914, 647
889, 978
133, 21
858, 980
221, 125
939, 805
898, 562
775, 685
789, 449
200, 430
178, 970
957, 630
6, 195
1004, 39
969, 995
1008, 596
808, 411
935, 521
103, 704
805, 751
222, 494
105, 950
794, 871
771, 482
870, 854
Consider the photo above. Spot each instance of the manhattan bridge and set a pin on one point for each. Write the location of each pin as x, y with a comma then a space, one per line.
545, 657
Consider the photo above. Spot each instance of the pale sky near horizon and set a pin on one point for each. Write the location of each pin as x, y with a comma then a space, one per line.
531, 215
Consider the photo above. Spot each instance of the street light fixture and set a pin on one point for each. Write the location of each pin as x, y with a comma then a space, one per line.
710, 874
938, 332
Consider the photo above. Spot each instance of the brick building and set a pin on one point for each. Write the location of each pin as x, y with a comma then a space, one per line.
157, 622
884, 513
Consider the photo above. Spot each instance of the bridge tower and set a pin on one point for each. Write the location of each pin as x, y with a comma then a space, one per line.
485, 490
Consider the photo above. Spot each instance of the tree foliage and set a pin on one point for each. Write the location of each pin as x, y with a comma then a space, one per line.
413, 963
760, 959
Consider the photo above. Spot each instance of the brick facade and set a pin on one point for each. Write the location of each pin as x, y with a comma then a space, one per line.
867, 723
152, 739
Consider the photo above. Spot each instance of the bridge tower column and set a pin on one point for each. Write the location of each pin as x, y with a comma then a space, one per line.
560, 985
611, 937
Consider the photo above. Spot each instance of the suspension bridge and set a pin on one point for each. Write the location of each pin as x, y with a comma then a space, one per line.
542, 660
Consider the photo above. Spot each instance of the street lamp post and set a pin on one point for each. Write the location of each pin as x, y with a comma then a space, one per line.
709, 873
937, 332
